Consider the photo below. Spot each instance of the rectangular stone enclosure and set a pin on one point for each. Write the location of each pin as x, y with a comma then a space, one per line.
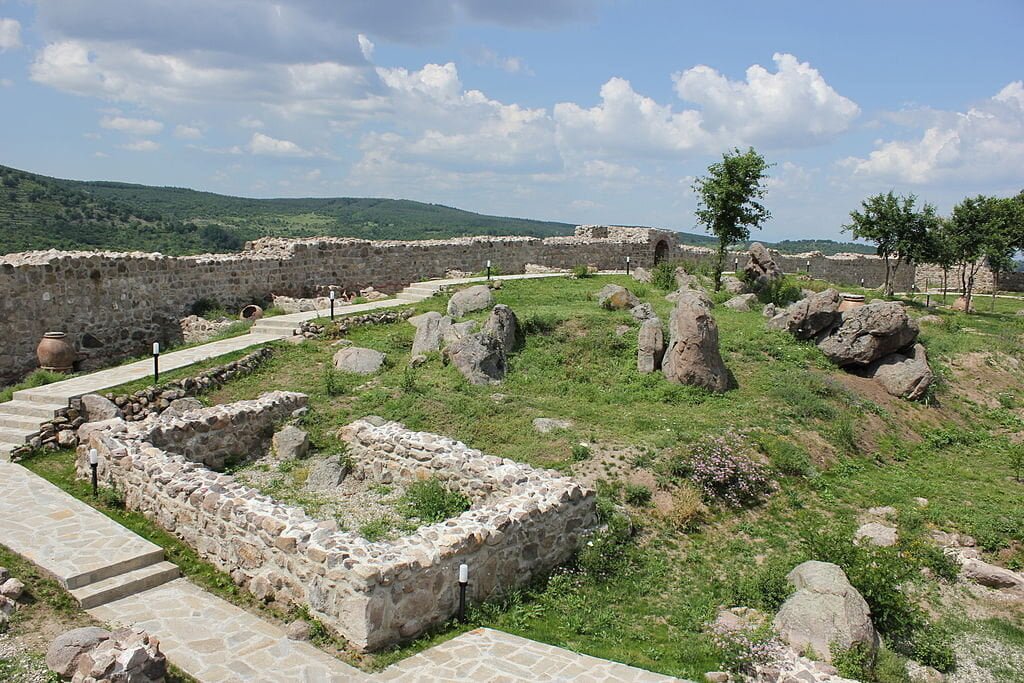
522, 523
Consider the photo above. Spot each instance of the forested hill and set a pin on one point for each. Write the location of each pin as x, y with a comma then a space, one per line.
39, 212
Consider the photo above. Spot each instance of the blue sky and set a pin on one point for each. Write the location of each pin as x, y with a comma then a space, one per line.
573, 110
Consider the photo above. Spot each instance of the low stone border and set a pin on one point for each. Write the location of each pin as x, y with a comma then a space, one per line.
522, 524
341, 326
60, 432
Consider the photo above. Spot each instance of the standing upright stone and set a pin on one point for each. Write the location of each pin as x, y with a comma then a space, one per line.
693, 356
650, 348
761, 270
503, 326
475, 298
431, 328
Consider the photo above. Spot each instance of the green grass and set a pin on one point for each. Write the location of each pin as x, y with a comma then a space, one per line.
835, 452
36, 379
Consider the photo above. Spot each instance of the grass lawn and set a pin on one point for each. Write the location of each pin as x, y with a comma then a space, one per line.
835, 443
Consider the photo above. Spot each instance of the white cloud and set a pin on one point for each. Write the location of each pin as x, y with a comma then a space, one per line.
250, 122
268, 146
513, 65
793, 107
132, 126
365, 46
10, 34
985, 143
142, 146
184, 132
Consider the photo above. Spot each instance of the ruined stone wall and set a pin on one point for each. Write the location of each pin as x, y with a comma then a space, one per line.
115, 305
928, 275
374, 594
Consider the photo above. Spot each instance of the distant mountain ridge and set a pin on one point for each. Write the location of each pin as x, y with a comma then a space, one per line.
40, 212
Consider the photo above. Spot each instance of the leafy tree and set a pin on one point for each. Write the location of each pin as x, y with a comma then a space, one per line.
938, 249
727, 200
984, 229
897, 229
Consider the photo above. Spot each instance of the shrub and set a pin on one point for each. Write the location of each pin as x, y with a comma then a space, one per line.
741, 651
408, 383
638, 494
581, 271
722, 471
202, 307
641, 291
780, 292
610, 549
580, 452
931, 647
431, 501
537, 323
332, 383
852, 662
663, 276
375, 530
688, 509
786, 457
766, 588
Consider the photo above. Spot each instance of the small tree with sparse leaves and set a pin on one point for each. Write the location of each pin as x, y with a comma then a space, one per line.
728, 200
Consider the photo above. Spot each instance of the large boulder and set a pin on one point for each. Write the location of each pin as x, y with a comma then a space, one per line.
358, 360
686, 281
692, 356
824, 610
479, 357
643, 312
650, 347
65, 651
430, 330
733, 285
867, 333
95, 408
642, 275
290, 443
742, 302
699, 294
503, 326
906, 374
616, 297
809, 317
327, 473
761, 270
475, 298
180, 406
128, 656
973, 568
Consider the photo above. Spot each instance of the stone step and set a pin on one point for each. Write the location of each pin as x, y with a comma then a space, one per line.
7, 448
40, 395
19, 422
14, 436
411, 296
123, 585
30, 409
145, 558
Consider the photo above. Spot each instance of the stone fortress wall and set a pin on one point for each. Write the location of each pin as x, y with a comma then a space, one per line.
523, 521
114, 305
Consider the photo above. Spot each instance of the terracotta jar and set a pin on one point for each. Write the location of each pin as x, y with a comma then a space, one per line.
851, 301
56, 353
252, 312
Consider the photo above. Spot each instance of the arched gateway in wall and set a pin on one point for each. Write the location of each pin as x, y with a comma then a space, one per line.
660, 251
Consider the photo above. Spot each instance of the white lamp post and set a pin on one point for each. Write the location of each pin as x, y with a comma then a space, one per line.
156, 363
332, 295
463, 582
94, 461
488, 270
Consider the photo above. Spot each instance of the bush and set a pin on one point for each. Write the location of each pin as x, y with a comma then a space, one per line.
853, 662
663, 276
581, 271
580, 452
931, 647
722, 471
638, 494
332, 383
610, 549
741, 651
786, 457
431, 501
202, 307
688, 509
780, 292
767, 588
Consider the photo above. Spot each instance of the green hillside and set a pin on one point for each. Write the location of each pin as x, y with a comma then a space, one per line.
39, 212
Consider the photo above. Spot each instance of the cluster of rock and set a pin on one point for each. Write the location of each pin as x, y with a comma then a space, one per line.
96, 655
11, 590
479, 353
196, 329
61, 431
962, 549
523, 522
342, 326
877, 340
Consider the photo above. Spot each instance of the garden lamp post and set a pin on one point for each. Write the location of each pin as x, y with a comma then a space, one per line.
627, 265
808, 267
156, 363
94, 461
463, 582
332, 295
736, 265
488, 270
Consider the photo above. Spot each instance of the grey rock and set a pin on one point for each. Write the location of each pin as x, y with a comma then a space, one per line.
66, 438
12, 588
545, 425
96, 408
742, 302
686, 281
993, 576
431, 328
733, 285
642, 275
298, 630
692, 356
616, 297
867, 333
65, 651
291, 443
650, 347
326, 474
180, 406
877, 533
717, 677
699, 294
937, 319
480, 358
906, 375
7, 606
4, 574
761, 270
809, 317
621, 330
919, 673
643, 312
769, 310
503, 325
475, 298
457, 331
825, 609
358, 360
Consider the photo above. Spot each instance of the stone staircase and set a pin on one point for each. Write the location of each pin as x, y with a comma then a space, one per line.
418, 291
142, 573
20, 418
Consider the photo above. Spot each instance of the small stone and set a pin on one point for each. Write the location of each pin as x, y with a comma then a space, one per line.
12, 588
4, 574
66, 438
65, 651
920, 502
717, 677
290, 443
545, 425
96, 408
298, 630
358, 360
878, 534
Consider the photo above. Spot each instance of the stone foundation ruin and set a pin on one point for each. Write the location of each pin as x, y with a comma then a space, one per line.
522, 523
